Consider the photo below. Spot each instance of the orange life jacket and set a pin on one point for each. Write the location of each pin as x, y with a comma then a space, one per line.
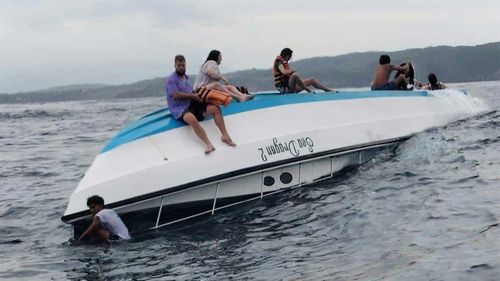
213, 96
280, 79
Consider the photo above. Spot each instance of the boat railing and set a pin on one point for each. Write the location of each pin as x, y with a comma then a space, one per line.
214, 208
301, 182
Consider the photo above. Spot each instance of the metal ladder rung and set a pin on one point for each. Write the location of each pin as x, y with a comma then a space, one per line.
159, 212
215, 197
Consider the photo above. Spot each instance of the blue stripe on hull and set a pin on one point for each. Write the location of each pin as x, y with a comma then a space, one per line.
161, 121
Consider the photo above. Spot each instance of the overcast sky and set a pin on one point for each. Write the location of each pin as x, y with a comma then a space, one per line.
53, 43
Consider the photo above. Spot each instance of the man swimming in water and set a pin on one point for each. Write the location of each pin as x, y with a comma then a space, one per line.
382, 73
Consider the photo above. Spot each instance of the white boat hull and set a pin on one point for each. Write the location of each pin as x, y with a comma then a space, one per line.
309, 140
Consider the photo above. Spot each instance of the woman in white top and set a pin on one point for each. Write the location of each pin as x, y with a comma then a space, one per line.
211, 78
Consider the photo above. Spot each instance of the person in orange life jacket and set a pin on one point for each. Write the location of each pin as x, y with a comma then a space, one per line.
287, 80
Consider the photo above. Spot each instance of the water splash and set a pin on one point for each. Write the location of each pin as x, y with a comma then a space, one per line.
461, 102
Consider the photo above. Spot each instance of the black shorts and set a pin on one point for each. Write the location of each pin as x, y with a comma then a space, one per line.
197, 109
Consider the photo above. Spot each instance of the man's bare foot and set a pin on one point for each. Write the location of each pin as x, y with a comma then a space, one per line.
209, 149
228, 141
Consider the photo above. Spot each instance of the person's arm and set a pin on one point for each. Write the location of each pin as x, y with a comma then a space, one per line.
92, 228
443, 86
212, 70
400, 68
215, 74
184, 96
281, 67
173, 89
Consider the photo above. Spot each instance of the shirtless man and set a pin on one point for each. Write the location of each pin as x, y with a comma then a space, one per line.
382, 73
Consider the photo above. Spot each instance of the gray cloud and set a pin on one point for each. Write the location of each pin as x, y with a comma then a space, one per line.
48, 43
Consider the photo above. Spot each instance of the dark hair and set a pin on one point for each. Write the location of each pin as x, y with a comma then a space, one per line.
286, 52
432, 78
95, 199
179, 58
213, 55
433, 81
384, 59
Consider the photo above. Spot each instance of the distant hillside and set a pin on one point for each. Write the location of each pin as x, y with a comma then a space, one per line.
451, 64
145, 88
73, 87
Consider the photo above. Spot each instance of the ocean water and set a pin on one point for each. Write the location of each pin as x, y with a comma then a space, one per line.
430, 210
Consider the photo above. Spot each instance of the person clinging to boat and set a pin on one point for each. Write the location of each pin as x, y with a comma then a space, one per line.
383, 72
287, 80
433, 84
210, 78
185, 105
106, 224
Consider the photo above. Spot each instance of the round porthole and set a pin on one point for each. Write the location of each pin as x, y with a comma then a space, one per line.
268, 181
286, 178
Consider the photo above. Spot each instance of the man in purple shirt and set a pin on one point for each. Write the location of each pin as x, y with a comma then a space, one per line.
183, 103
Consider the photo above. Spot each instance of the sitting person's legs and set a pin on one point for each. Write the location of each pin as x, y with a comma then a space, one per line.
216, 86
237, 94
317, 84
394, 85
391, 86
219, 121
225, 89
295, 84
192, 121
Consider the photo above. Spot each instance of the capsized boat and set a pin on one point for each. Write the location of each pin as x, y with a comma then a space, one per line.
157, 166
